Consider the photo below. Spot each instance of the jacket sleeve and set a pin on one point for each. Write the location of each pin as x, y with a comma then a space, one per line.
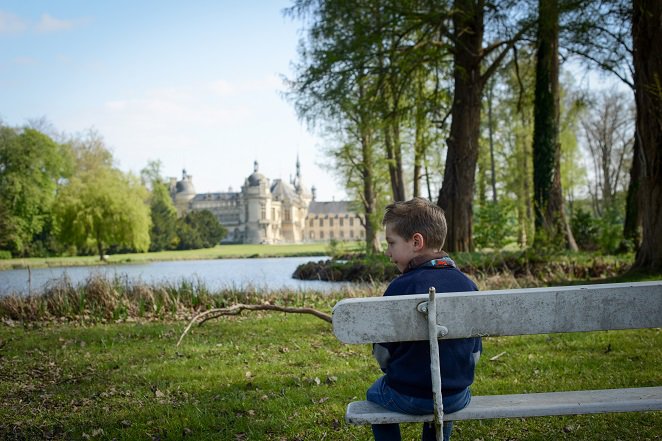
382, 355
478, 349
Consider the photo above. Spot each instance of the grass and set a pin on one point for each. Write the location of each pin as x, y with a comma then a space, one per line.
100, 362
218, 252
282, 377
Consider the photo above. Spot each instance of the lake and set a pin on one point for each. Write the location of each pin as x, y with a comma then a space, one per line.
262, 273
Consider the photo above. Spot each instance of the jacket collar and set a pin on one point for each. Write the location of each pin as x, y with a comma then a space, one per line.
424, 259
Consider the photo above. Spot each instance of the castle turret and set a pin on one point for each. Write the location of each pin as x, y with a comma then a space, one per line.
184, 192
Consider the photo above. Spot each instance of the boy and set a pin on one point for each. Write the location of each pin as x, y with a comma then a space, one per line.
415, 234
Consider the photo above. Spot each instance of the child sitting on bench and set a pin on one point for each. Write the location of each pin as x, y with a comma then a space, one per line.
415, 234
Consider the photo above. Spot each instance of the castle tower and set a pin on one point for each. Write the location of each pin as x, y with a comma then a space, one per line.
182, 193
257, 208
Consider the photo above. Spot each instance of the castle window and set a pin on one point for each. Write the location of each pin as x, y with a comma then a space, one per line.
263, 214
331, 222
331, 235
273, 213
342, 221
351, 221
321, 234
312, 222
312, 235
342, 234
321, 222
351, 234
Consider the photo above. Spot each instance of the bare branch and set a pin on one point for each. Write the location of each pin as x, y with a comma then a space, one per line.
238, 308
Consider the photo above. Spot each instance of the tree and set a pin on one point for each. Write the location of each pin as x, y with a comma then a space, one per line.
163, 233
199, 229
608, 131
600, 32
335, 88
552, 227
31, 164
473, 66
646, 35
100, 206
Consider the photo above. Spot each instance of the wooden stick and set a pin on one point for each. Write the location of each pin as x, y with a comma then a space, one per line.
237, 309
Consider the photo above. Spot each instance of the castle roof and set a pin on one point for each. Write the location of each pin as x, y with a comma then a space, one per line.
280, 190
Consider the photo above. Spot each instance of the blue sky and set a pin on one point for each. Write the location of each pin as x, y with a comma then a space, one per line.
194, 84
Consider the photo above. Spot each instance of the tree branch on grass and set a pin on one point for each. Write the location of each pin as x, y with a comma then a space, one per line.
238, 308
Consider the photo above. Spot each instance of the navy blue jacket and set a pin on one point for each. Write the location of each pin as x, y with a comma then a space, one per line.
407, 364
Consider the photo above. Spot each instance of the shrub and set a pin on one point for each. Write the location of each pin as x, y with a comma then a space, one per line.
585, 230
494, 227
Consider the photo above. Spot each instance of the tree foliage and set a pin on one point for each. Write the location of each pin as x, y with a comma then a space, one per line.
31, 164
100, 206
163, 233
199, 229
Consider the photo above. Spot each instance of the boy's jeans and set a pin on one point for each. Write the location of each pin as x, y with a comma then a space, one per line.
380, 393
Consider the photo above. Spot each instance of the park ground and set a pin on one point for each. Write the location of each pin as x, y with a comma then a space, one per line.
277, 376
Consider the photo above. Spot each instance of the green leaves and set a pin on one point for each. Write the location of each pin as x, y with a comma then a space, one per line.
31, 164
100, 206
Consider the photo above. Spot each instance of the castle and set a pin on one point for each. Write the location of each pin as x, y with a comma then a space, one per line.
267, 211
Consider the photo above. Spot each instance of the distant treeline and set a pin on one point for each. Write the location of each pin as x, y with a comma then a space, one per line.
63, 196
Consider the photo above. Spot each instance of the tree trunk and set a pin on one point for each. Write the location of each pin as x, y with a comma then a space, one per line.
394, 157
551, 225
456, 194
372, 242
490, 126
420, 146
631, 226
647, 34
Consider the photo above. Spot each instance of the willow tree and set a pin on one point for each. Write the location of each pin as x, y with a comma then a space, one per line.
99, 206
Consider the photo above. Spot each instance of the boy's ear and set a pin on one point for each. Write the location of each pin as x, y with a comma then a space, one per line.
419, 241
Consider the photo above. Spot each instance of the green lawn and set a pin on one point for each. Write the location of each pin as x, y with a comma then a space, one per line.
272, 376
218, 252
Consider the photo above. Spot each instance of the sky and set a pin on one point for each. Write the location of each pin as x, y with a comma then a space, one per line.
197, 85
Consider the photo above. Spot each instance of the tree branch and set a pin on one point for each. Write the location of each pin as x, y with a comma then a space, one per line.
238, 308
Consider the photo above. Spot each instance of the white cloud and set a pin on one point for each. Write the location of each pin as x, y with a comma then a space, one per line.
48, 23
223, 88
10, 23
166, 109
226, 88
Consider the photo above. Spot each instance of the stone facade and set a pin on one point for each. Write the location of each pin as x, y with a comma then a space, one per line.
336, 220
262, 212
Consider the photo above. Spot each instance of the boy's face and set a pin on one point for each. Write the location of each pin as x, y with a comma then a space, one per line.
401, 251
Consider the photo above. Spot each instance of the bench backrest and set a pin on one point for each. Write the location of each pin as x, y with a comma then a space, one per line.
502, 312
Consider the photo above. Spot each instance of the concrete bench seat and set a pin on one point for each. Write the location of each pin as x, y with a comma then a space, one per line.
522, 405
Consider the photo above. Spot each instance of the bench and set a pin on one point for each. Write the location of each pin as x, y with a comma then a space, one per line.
503, 313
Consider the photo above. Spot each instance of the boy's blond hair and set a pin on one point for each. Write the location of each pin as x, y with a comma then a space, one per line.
417, 215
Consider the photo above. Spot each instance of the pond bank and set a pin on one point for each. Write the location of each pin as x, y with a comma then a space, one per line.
377, 268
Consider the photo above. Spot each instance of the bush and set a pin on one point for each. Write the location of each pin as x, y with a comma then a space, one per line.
585, 230
4, 254
610, 231
494, 227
